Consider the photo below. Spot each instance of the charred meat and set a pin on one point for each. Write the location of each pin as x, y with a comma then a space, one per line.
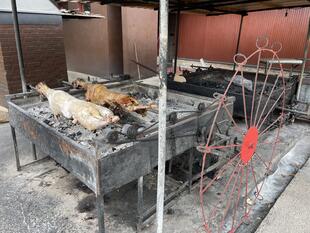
100, 94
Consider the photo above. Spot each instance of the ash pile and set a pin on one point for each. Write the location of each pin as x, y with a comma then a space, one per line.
65, 126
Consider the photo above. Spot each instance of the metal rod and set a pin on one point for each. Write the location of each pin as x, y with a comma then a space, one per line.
34, 151
137, 58
16, 153
176, 42
144, 66
162, 116
140, 204
201, 67
295, 111
149, 212
239, 36
190, 170
18, 46
170, 165
304, 61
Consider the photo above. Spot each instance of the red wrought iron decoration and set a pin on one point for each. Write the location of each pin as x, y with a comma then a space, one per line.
227, 198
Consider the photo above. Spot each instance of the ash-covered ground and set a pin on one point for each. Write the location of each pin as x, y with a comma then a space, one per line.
44, 198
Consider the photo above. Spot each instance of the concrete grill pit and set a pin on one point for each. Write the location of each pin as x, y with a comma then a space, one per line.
104, 166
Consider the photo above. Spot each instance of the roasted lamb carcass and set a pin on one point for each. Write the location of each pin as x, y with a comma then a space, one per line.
89, 115
100, 94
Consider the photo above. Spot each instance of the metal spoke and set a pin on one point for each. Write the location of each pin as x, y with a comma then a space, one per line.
230, 199
265, 130
270, 110
244, 102
220, 173
232, 175
271, 92
263, 89
237, 200
253, 174
225, 146
261, 159
255, 83
246, 190
232, 119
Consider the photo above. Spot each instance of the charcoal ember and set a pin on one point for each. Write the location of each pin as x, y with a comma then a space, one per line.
64, 125
138, 95
72, 135
56, 124
46, 121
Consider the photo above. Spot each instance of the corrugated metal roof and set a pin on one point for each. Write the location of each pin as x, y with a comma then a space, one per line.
214, 7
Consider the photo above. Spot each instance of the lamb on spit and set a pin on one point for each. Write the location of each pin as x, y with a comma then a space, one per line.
89, 115
100, 94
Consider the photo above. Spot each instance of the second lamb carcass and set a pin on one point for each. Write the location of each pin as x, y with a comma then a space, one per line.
100, 94
89, 115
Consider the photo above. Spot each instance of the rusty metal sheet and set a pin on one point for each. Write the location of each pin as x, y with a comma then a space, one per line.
215, 38
74, 158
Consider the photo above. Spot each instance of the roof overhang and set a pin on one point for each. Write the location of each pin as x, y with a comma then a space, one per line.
214, 7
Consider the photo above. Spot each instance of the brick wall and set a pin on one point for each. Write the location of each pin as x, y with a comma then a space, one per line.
44, 57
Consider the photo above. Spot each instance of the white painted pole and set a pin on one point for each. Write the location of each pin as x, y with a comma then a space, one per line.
163, 54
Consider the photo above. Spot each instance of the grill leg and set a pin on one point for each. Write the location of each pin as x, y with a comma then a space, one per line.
140, 204
34, 152
16, 153
190, 170
100, 211
170, 165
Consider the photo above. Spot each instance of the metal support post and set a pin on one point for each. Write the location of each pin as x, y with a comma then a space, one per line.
16, 153
170, 165
239, 36
190, 170
18, 46
163, 54
34, 152
140, 204
100, 212
176, 42
304, 61
99, 195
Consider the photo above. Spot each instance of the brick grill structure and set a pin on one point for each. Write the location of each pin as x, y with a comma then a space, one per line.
44, 57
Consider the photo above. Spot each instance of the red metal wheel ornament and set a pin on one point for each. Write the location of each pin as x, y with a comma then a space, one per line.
227, 197
249, 145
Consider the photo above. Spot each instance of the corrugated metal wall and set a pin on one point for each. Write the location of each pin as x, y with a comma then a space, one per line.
215, 37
